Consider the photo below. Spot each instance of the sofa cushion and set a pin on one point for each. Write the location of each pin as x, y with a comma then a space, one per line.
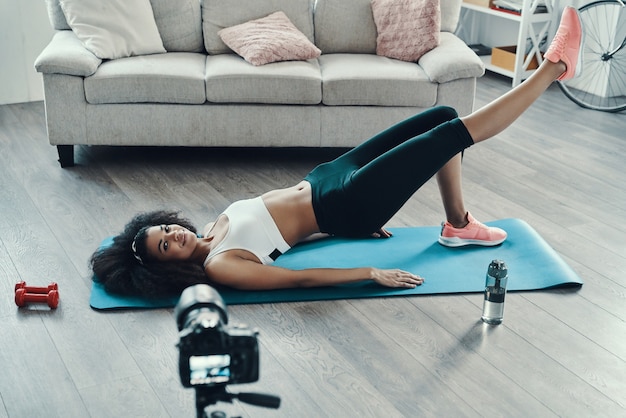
180, 24
230, 79
65, 54
371, 80
450, 14
220, 14
345, 26
348, 26
269, 39
175, 77
56, 16
407, 29
114, 29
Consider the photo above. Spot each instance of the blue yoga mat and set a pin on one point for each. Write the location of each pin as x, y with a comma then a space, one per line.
532, 265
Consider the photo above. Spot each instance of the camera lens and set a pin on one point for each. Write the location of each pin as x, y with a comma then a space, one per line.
197, 297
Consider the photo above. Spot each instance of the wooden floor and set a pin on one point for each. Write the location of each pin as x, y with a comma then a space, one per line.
558, 353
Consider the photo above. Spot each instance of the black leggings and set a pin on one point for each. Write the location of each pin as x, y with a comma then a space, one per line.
358, 192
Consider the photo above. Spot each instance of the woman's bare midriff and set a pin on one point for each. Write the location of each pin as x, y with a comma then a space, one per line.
292, 210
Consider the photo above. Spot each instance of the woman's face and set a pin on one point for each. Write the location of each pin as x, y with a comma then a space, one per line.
170, 242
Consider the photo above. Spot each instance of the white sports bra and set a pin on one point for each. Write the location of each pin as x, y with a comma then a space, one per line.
251, 228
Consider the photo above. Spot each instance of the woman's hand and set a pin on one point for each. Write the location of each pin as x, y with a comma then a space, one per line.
382, 233
396, 278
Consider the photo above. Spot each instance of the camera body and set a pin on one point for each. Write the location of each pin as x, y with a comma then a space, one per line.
213, 353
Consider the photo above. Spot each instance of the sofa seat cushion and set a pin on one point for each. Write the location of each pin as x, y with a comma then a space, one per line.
371, 80
174, 77
230, 79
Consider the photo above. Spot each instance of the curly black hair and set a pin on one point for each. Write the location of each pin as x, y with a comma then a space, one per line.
120, 272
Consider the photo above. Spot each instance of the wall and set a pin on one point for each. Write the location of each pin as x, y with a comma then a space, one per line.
24, 32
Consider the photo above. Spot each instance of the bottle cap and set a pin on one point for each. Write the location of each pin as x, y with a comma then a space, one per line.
497, 269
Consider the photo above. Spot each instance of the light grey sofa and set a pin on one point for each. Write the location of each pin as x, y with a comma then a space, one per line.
199, 93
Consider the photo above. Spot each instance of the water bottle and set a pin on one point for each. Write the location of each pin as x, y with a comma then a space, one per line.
495, 290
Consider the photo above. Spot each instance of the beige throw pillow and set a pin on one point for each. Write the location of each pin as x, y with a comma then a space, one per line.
407, 29
269, 39
114, 28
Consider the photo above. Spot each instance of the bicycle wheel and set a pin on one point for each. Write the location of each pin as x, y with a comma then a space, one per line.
602, 81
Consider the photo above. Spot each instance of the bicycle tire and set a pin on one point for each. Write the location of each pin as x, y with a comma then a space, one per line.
602, 81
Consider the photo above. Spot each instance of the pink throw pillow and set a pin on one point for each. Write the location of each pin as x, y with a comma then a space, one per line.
407, 29
269, 39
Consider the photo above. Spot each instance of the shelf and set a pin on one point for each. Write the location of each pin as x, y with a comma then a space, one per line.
531, 29
487, 10
537, 17
486, 59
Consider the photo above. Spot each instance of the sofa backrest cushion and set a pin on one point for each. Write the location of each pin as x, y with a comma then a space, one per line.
57, 18
179, 23
220, 14
348, 25
345, 26
450, 13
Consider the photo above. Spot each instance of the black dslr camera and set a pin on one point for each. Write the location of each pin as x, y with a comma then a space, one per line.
214, 354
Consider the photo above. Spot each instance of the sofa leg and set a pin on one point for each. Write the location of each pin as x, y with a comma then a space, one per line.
66, 155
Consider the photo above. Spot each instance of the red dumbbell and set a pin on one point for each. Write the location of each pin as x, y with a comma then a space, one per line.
22, 298
33, 289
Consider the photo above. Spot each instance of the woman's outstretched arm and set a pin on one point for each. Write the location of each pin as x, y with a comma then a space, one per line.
239, 273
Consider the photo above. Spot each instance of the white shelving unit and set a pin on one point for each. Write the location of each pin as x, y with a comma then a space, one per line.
531, 29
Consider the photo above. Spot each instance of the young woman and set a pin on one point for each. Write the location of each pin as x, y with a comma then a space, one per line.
353, 196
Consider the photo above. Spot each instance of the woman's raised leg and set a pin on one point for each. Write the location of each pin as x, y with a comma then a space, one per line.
560, 63
361, 199
485, 123
451, 191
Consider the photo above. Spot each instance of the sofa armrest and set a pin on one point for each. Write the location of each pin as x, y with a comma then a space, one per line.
451, 60
65, 54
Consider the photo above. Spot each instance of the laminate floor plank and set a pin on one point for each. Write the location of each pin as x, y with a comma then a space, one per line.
127, 397
512, 350
35, 379
580, 357
151, 337
450, 366
303, 349
92, 357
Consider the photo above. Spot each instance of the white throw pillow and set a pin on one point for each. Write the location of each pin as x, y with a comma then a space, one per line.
113, 29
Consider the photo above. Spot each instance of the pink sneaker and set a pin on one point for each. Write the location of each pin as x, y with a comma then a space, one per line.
567, 44
474, 233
